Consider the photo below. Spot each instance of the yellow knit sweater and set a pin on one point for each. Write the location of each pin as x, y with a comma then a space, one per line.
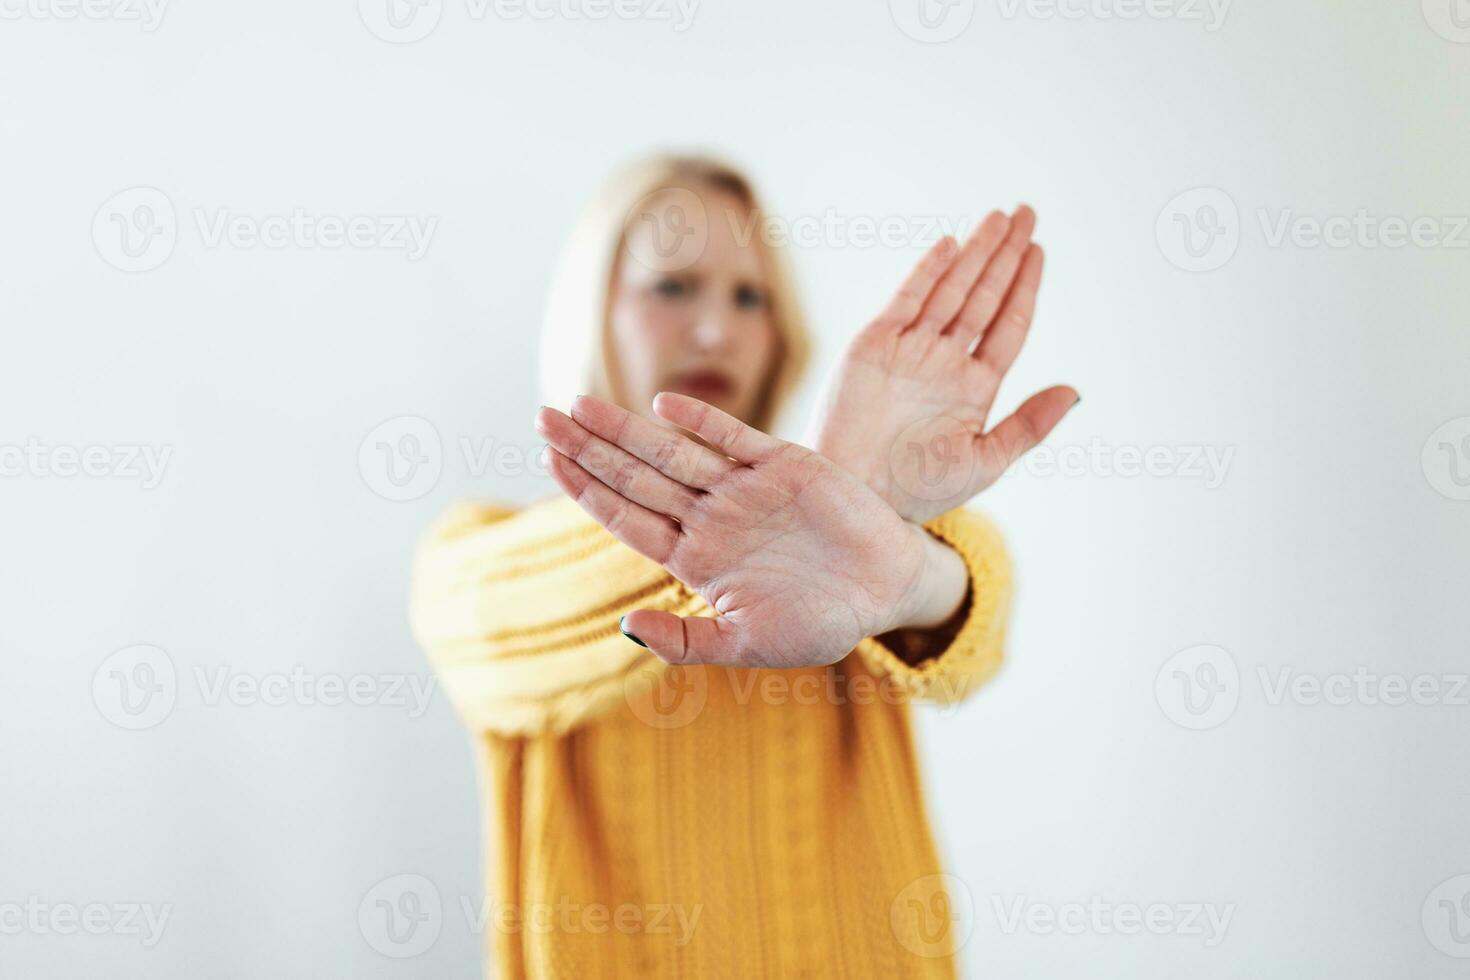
655, 821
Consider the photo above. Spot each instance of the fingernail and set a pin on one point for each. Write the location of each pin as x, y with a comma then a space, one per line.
623, 625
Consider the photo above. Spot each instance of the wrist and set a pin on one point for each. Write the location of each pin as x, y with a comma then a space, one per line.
939, 588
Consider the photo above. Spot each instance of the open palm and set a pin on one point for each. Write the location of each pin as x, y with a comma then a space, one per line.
799, 558
907, 409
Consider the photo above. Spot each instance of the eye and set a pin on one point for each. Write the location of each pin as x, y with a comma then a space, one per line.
748, 297
672, 288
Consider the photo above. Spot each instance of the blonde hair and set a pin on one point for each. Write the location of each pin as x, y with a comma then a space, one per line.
574, 350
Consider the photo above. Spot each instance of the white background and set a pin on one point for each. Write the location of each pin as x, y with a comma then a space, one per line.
1328, 546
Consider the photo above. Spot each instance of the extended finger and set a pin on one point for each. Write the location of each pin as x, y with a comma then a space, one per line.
949, 296
1024, 429
625, 473
723, 431
909, 301
990, 292
647, 533
1002, 342
671, 453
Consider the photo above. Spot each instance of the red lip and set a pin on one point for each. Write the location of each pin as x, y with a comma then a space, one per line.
704, 385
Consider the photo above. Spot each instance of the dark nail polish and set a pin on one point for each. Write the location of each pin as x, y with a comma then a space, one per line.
624, 628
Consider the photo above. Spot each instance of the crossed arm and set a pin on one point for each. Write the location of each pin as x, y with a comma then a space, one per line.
803, 553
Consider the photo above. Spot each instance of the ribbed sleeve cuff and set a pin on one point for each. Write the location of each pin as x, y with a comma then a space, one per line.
976, 651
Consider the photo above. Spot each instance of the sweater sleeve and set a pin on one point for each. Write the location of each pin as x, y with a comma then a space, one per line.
518, 612
976, 640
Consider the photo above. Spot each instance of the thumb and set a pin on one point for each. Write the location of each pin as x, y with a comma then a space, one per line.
1026, 427
683, 640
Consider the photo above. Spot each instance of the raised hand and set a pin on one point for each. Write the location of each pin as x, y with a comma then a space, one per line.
906, 410
798, 557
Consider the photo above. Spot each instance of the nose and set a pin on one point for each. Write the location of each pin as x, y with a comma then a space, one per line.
713, 326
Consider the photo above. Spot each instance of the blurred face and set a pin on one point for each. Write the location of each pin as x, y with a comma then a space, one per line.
689, 308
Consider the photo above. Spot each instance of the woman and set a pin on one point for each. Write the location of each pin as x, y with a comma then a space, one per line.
688, 679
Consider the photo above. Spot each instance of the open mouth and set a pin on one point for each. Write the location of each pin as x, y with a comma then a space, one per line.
704, 385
